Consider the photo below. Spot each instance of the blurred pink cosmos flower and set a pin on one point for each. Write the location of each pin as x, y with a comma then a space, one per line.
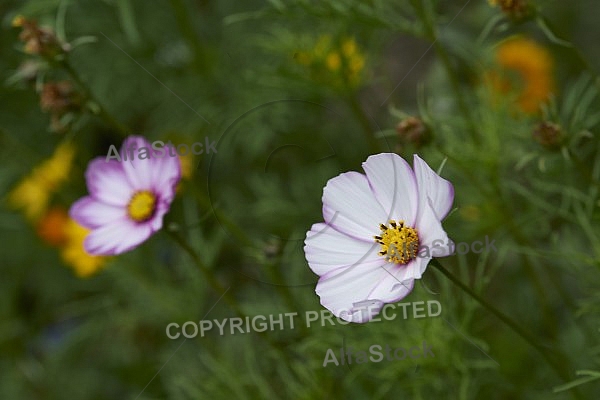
127, 199
380, 232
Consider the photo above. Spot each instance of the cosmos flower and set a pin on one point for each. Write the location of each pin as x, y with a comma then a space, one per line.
380, 232
127, 199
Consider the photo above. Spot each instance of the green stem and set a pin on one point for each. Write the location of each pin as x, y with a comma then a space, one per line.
214, 283
366, 124
228, 223
516, 328
426, 13
108, 118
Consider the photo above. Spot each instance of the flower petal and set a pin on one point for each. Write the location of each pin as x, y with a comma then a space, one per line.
166, 173
396, 284
117, 237
433, 187
139, 172
350, 207
327, 249
394, 185
432, 236
107, 182
156, 222
92, 213
346, 291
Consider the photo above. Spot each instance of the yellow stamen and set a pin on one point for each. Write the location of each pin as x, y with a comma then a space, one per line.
142, 205
399, 243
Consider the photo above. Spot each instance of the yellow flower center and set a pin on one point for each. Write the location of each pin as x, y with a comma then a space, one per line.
142, 205
399, 243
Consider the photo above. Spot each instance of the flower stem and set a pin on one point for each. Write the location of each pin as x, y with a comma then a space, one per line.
364, 121
216, 285
186, 27
426, 13
108, 118
226, 221
516, 328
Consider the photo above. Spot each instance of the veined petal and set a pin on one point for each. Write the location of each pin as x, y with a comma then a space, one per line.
394, 185
107, 182
116, 238
396, 284
432, 235
138, 172
165, 173
92, 213
345, 292
327, 249
433, 187
350, 207
156, 222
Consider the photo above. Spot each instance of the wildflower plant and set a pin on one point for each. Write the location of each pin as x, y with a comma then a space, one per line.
360, 144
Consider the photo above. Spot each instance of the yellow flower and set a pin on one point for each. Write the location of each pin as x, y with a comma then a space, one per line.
333, 61
31, 196
74, 254
186, 162
56, 170
33, 193
18, 21
349, 47
357, 62
322, 45
533, 64
302, 57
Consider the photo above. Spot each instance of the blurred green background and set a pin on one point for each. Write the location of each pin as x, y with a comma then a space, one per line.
504, 95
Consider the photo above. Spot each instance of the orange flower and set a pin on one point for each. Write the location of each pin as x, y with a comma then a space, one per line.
532, 64
51, 227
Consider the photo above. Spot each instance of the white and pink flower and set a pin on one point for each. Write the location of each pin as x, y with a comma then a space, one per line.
371, 247
127, 200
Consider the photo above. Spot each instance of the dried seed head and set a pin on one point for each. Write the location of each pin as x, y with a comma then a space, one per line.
516, 9
37, 40
59, 97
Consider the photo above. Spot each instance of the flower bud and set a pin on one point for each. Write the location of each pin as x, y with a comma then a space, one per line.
517, 9
548, 134
59, 97
412, 130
